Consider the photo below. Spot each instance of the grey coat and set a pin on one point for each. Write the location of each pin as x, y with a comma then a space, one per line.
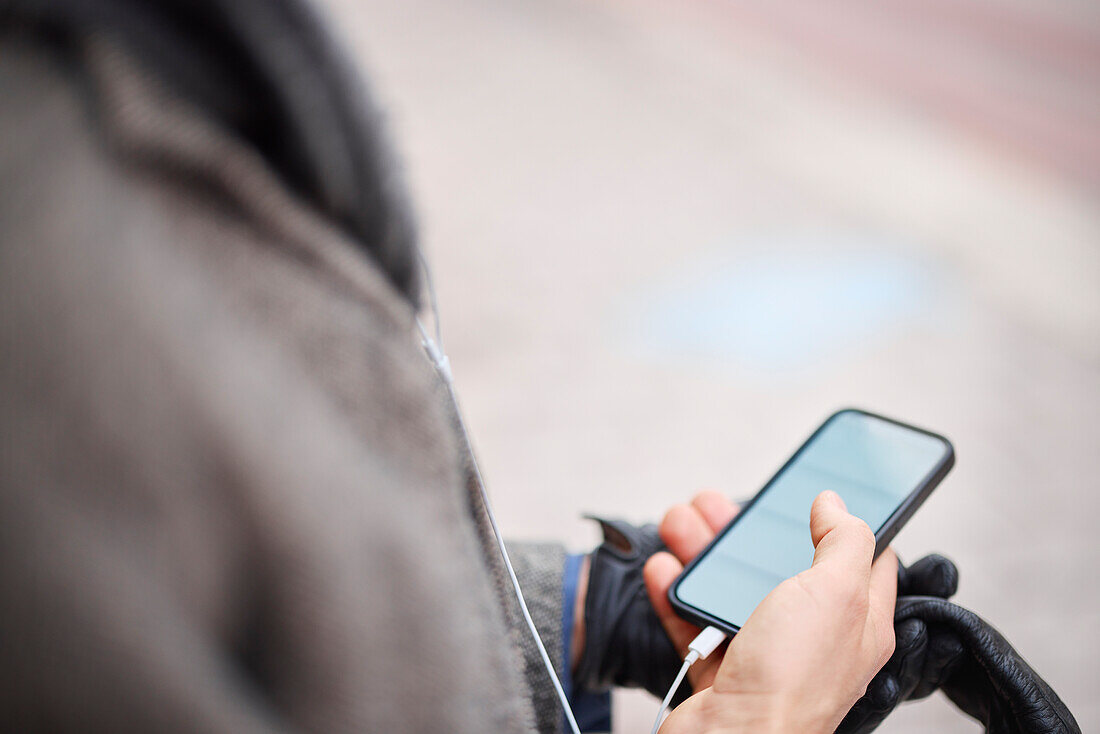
232, 497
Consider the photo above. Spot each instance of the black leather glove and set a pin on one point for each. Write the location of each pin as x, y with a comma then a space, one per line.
988, 680
625, 643
916, 667
941, 645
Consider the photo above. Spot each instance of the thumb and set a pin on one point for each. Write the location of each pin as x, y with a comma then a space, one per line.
840, 537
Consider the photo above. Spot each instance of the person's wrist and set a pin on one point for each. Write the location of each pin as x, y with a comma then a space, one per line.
711, 712
760, 713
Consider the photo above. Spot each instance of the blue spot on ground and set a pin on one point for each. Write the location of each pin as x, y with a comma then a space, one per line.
784, 310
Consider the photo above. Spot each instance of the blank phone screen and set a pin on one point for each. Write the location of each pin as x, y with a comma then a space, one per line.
873, 464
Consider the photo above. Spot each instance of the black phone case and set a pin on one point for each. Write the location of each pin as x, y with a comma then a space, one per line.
883, 537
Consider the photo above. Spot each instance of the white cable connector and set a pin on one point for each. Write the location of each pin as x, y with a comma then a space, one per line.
707, 642
700, 648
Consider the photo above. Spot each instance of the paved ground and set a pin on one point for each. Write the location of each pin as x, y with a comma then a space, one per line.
669, 242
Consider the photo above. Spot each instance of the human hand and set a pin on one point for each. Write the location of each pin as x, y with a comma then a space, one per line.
980, 672
618, 639
686, 530
625, 633
808, 651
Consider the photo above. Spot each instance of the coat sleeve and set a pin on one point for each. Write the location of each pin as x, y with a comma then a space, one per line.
539, 568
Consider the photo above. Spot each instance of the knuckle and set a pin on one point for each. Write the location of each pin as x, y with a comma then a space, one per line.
862, 533
857, 535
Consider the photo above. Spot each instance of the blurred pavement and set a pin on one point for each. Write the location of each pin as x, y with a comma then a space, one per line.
668, 241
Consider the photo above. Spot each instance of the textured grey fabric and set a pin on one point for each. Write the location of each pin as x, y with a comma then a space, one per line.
232, 498
539, 569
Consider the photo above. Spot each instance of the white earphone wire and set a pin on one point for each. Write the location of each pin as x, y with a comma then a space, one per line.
439, 359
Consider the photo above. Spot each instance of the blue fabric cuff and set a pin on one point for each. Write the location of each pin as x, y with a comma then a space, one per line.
592, 710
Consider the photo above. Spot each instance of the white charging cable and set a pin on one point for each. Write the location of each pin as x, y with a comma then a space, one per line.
700, 648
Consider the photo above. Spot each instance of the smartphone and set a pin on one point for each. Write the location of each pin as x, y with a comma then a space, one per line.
882, 468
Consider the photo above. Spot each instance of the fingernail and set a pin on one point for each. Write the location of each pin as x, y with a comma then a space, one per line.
834, 499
